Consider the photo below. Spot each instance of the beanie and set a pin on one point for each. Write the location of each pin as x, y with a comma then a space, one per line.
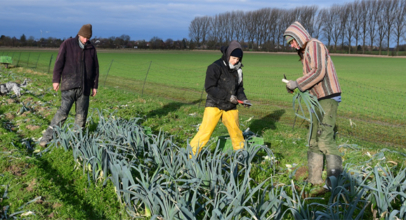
86, 31
236, 53
288, 38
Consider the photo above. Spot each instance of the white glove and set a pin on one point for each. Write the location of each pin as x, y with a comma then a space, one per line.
233, 99
292, 85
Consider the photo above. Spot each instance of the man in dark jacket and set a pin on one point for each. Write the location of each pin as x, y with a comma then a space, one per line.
224, 87
76, 72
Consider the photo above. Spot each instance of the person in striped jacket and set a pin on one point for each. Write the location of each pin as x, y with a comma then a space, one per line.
320, 78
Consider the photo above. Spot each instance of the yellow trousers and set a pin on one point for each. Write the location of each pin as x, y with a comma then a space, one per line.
211, 117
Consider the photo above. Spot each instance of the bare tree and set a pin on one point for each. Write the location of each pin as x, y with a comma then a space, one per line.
327, 19
226, 26
250, 25
382, 29
205, 28
334, 13
273, 28
264, 28
389, 9
357, 15
307, 17
169, 43
238, 25
257, 26
217, 32
195, 30
343, 17
399, 24
125, 39
318, 25
363, 12
372, 21
349, 26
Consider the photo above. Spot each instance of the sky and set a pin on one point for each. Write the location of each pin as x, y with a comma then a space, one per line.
141, 20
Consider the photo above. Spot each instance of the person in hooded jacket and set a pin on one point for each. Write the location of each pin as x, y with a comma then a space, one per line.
224, 87
76, 73
320, 78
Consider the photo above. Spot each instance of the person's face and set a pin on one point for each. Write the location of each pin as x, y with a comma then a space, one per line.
83, 39
294, 44
234, 60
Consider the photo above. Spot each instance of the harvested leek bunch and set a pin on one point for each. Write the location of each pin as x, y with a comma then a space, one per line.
311, 103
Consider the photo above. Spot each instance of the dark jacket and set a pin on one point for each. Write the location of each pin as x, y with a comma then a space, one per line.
222, 82
78, 68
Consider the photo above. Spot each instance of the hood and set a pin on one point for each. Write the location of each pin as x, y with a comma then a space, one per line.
227, 51
298, 32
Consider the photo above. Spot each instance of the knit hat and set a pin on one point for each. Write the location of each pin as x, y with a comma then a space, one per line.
288, 38
236, 53
86, 31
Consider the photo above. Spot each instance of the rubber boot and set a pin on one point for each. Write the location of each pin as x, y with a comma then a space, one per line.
315, 164
334, 167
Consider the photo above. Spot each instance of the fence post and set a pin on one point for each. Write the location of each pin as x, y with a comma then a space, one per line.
142, 93
108, 70
18, 61
36, 64
201, 97
50, 61
29, 54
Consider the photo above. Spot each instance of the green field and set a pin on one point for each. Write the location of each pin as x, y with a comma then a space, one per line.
171, 103
372, 109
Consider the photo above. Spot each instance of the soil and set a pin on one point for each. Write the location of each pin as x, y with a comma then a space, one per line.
14, 169
10, 116
32, 127
301, 173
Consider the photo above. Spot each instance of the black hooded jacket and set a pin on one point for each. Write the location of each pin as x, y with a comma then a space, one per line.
222, 82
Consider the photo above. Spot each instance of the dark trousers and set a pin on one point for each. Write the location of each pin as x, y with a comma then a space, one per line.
68, 98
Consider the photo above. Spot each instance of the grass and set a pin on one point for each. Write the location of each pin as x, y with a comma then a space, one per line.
165, 107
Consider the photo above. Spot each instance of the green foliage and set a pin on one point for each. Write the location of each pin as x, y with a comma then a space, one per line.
148, 168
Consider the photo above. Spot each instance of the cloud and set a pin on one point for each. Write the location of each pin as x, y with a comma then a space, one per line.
137, 19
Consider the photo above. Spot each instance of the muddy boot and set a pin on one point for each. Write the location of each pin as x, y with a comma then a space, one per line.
315, 164
334, 167
46, 137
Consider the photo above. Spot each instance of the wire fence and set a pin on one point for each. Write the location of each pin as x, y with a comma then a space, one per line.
365, 116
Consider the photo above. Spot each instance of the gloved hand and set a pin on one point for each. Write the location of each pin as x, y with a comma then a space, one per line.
292, 85
289, 91
246, 103
233, 99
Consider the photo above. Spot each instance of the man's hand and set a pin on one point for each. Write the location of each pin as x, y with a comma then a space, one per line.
292, 85
233, 99
56, 86
94, 92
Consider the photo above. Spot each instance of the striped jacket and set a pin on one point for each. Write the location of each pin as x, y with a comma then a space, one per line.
319, 74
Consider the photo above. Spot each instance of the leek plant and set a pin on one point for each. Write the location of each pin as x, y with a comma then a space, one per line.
312, 105
155, 178
388, 190
349, 198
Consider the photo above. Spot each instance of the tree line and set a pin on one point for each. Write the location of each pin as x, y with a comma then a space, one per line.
358, 27
123, 41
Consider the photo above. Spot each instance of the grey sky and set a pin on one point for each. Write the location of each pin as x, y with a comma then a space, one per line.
138, 19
